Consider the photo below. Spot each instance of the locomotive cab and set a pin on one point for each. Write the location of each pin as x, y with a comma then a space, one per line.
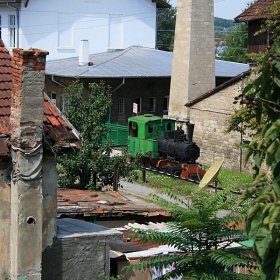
143, 133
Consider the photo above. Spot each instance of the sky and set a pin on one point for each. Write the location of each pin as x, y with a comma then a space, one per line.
227, 9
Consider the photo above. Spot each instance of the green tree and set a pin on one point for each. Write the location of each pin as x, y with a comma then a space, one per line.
261, 99
166, 19
92, 165
203, 238
236, 40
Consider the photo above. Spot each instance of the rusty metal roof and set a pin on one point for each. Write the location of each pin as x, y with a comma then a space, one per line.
55, 125
103, 204
254, 11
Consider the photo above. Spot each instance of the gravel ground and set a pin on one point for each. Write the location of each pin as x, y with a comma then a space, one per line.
137, 192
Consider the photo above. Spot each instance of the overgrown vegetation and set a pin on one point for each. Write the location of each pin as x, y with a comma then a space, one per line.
236, 44
229, 180
166, 19
262, 114
92, 166
202, 238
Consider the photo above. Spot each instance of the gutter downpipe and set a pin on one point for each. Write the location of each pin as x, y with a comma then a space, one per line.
56, 82
17, 11
115, 89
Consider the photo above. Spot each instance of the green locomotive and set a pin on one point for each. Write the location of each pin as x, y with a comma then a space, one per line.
164, 148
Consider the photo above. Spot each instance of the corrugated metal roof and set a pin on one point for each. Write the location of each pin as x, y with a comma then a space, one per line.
254, 11
133, 62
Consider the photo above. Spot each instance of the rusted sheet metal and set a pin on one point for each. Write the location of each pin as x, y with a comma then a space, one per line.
107, 203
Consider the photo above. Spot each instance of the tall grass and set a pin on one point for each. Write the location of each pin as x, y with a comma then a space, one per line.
228, 179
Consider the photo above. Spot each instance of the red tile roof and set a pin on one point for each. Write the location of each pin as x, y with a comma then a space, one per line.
56, 127
254, 12
6, 81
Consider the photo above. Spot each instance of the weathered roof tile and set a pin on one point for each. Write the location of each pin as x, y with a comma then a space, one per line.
52, 121
254, 11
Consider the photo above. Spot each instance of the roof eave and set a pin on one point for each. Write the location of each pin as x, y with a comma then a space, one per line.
218, 88
162, 4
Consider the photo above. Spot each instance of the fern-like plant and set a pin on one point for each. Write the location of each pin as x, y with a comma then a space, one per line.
202, 237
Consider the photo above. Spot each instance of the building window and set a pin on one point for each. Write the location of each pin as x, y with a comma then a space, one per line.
121, 106
152, 104
12, 31
53, 97
64, 103
0, 28
138, 101
165, 103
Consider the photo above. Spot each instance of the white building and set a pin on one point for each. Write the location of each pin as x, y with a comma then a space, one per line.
59, 25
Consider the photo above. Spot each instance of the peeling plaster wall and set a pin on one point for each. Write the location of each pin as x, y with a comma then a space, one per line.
5, 221
49, 200
26, 122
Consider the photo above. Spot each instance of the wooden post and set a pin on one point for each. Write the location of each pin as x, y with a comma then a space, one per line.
116, 178
144, 176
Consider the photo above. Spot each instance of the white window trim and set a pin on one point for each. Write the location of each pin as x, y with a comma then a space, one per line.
140, 104
12, 27
53, 97
64, 102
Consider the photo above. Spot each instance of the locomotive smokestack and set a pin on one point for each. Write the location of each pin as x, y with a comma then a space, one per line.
190, 131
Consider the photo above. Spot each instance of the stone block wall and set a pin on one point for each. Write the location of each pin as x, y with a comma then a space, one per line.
210, 117
193, 68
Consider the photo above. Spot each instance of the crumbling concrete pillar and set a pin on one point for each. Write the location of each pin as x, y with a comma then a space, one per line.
5, 210
26, 179
193, 69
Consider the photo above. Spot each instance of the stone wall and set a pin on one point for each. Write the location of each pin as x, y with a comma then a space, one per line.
80, 252
210, 117
193, 68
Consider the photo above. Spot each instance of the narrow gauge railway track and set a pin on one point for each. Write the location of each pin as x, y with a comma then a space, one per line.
184, 179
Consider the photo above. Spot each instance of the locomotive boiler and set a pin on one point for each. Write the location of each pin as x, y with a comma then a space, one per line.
163, 147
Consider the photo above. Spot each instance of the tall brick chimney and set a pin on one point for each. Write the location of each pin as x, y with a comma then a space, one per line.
26, 122
193, 69
27, 97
